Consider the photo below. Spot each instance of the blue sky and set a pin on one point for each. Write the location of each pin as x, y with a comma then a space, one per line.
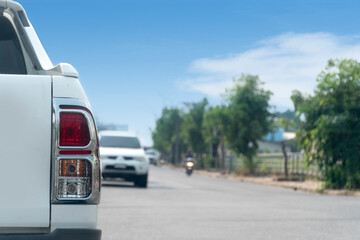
135, 57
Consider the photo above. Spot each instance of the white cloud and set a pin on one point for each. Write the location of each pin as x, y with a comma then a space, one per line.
286, 62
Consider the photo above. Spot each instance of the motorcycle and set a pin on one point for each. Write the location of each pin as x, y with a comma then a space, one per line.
189, 165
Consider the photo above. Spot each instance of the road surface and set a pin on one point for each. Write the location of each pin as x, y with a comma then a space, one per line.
175, 206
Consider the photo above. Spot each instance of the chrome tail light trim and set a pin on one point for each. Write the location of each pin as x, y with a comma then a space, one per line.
93, 146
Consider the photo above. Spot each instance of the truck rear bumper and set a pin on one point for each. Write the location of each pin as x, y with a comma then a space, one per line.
65, 216
58, 234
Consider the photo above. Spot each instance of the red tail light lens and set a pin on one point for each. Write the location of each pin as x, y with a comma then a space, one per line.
74, 129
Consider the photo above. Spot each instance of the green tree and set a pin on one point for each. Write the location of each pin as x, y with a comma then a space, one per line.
249, 119
164, 136
215, 121
286, 123
192, 128
297, 98
330, 130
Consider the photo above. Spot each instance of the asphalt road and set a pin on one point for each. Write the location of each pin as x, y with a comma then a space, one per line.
175, 206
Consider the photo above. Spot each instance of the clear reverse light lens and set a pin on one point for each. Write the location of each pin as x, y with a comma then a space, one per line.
74, 188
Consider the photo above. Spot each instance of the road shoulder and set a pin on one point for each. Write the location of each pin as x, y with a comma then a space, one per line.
311, 186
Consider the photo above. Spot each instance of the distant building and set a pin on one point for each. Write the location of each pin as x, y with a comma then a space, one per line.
273, 141
275, 136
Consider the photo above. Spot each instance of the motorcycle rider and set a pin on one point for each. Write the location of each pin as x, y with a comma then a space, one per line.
188, 154
189, 157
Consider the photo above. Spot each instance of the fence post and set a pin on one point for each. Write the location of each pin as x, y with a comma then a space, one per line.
303, 169
297, 164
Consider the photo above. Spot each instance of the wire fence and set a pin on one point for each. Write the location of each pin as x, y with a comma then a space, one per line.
273, 163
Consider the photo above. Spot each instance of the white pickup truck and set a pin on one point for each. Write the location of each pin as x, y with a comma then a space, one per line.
50, 171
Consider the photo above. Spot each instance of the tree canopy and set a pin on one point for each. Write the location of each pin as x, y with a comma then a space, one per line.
165, 130
192, 127
248, 116
240, 122
330, 128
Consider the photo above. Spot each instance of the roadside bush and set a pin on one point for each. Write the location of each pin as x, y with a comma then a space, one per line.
250, 165
336, 178
330, 130
209, 162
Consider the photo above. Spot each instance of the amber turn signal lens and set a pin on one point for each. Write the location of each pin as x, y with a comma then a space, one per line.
74, 168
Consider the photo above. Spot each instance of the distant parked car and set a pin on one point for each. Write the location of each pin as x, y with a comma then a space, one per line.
123, 157
153, 156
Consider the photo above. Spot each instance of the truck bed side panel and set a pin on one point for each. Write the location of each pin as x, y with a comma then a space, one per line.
25, 145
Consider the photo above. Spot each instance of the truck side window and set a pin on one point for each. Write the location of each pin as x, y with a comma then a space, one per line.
11, 56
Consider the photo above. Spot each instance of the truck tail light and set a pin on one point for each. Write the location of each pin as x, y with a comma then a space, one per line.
76, 162
74, 129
